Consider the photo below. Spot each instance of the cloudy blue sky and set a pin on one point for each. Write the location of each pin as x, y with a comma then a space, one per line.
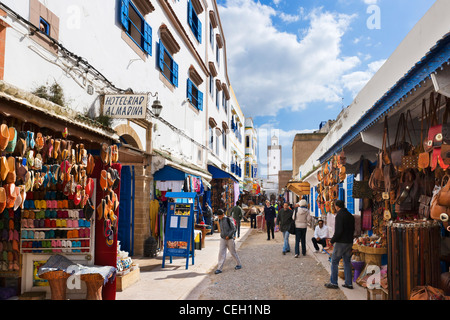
296, 63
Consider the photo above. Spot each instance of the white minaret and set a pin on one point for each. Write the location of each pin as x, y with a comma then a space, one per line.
273, 159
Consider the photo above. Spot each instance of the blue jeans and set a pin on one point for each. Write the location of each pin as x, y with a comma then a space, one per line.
300, 235
286, 246
341, 251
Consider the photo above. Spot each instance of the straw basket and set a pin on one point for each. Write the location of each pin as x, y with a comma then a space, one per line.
57, 281
94, 285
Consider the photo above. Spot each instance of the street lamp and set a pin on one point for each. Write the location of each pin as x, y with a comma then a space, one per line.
156, 106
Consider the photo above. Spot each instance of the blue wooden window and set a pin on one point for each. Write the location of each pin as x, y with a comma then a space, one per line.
194, 22
44, 26
135, 26
195, 96
350, 200
168, 66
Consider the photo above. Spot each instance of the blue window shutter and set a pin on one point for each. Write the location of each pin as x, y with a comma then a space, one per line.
175, 73
189, 90
200, 101
161, 56
190, 13
341, 192
199, 28
350, 200
147, 38
124, 13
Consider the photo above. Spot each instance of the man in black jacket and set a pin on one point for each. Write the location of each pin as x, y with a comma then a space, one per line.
284, 221
270, 215
342, 241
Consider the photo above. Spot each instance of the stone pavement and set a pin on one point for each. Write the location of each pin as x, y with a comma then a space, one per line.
174, 282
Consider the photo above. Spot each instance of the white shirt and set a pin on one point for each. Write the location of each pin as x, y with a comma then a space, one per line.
321, 233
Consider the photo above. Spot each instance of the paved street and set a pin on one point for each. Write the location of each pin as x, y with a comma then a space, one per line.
266, 274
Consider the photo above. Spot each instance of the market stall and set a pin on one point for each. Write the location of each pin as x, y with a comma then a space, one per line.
403, 196
58, 193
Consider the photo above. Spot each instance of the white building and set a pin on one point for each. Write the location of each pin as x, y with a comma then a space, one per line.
171, 51
251, 159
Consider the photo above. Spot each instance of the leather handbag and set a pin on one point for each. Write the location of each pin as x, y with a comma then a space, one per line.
376, 180
408, 193
435, 209
444, 194
427, 293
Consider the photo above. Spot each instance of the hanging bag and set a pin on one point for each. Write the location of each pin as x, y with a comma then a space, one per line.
444, 193
424, 155
411, 159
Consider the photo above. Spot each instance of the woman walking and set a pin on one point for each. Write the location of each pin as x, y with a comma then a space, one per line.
301, 217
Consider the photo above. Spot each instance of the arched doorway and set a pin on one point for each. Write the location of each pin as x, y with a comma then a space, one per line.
126, 227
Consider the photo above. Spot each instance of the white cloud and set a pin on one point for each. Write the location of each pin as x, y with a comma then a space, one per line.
370, 1
288, 18
355, 81
272, 70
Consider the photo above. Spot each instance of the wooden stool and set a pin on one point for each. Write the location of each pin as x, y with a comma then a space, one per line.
58, 283
373, 293
94, 284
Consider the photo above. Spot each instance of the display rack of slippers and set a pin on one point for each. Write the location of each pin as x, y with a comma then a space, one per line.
45, 193
108, 205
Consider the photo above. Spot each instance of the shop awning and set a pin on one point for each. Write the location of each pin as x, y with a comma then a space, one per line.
432, 61
25, 106
169, 173
299, 188
219, 173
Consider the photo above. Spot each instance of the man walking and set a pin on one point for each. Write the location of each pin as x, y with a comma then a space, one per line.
342, 241
270, 214
237, 214
227, 230
284, 222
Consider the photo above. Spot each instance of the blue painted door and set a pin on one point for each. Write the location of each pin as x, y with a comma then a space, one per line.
126, 212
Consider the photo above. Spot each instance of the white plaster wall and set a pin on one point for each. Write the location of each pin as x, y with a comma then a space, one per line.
91, 29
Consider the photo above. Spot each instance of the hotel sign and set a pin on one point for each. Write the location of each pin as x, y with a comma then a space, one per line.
125, 106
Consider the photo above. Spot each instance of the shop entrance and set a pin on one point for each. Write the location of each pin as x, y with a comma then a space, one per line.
126, 210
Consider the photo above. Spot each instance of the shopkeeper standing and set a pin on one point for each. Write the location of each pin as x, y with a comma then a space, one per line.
342, 241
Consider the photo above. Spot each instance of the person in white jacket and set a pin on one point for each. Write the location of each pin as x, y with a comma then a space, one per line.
302, 217
321, 234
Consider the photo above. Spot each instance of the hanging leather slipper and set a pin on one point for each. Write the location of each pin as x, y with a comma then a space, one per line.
4, 137
2, 199
10, 195
88, 209
40, 141
12, 140
4, 168
104, 153
104, 180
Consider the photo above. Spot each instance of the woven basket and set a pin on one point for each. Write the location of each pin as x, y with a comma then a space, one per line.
58, 283
94, 285
371, 250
